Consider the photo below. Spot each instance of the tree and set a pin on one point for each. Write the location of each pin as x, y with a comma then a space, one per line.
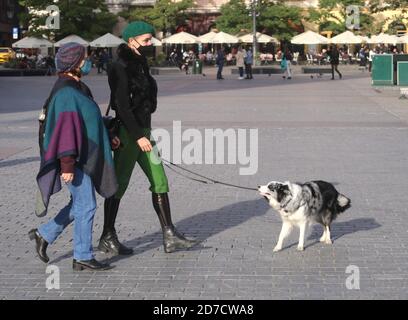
165, 15
332, 15
280, 20
86, 18
235, 16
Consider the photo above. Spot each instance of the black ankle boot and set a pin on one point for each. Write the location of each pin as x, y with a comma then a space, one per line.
40, 245
109, 242
94, 265
172, 240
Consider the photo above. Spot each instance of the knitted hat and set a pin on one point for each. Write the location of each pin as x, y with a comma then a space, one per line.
69, 57
137, 28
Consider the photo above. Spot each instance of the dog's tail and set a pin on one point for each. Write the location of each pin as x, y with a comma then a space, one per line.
343, 203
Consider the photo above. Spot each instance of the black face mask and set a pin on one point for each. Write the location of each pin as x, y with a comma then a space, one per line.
146, 51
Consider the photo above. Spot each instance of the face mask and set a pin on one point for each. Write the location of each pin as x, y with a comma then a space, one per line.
146, 51
86, 68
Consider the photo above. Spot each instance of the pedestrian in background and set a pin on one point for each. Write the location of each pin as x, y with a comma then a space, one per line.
334, 55
219, 61
249, 60
239, 57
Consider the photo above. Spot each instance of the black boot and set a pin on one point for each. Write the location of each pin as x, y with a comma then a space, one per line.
109, 242
172, 240
40, 245
94, 265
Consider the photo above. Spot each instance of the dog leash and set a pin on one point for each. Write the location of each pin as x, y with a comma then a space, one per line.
208, 180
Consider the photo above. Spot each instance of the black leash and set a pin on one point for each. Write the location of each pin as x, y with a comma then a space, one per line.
168, 164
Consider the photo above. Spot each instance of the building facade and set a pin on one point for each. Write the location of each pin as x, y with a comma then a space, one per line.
9, 10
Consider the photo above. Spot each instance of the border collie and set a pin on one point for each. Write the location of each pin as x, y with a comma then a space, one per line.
303, 204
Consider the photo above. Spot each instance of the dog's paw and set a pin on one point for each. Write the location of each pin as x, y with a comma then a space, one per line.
322, 239
328, 241
300, 248
277, 248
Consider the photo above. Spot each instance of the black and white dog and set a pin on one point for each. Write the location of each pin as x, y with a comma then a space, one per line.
303, 204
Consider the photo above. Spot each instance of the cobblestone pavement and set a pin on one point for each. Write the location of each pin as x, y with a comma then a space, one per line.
343, 131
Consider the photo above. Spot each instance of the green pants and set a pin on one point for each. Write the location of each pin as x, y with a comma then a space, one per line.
125, 158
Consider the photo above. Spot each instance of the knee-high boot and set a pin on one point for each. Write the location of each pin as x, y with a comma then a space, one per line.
172, 240
109, 242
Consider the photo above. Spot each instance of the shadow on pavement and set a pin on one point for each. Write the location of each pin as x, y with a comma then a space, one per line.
340, 229
11, 163
205, 225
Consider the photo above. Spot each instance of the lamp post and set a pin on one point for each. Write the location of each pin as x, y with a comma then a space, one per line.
254, 31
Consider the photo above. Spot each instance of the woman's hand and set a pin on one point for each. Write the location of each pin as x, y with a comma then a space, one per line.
115, 143
145, 144
67, 177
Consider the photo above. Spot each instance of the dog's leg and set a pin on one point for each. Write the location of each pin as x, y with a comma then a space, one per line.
328, 239
286, 227
323, 237
301, 244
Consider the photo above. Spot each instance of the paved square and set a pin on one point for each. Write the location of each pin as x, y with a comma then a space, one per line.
343, 131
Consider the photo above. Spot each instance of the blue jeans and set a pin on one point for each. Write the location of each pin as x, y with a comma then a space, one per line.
219, 72
81, 209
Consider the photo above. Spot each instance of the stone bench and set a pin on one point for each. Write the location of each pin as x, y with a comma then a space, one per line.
316, 70
165, 70
261, 70
22, 72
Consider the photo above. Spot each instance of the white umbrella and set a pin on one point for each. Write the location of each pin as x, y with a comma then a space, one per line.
31, 42
384, 38
364, 38
222, 37
156, 42
107, 41
181, 38
309, 37
403, 39
72, 38
207, 38
260, 38
346, 37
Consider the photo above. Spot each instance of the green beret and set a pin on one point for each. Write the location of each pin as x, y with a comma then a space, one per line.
137, 28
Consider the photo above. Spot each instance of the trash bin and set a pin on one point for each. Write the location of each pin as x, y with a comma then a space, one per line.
197, 66
382, 70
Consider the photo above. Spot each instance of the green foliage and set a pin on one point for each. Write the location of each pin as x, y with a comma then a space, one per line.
86, 18
235, 16
329, 21
164, 15
279, 20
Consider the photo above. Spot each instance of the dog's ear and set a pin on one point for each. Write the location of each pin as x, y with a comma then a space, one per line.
282, 192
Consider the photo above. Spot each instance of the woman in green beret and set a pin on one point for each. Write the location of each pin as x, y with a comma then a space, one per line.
134, 99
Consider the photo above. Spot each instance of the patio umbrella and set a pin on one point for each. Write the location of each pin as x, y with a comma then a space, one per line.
32, 42
260, 38
309, 37
107, 41
207, 38
384, 38
156, 42
364, 38
181, 38
346, 37
222, 37
72, 38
